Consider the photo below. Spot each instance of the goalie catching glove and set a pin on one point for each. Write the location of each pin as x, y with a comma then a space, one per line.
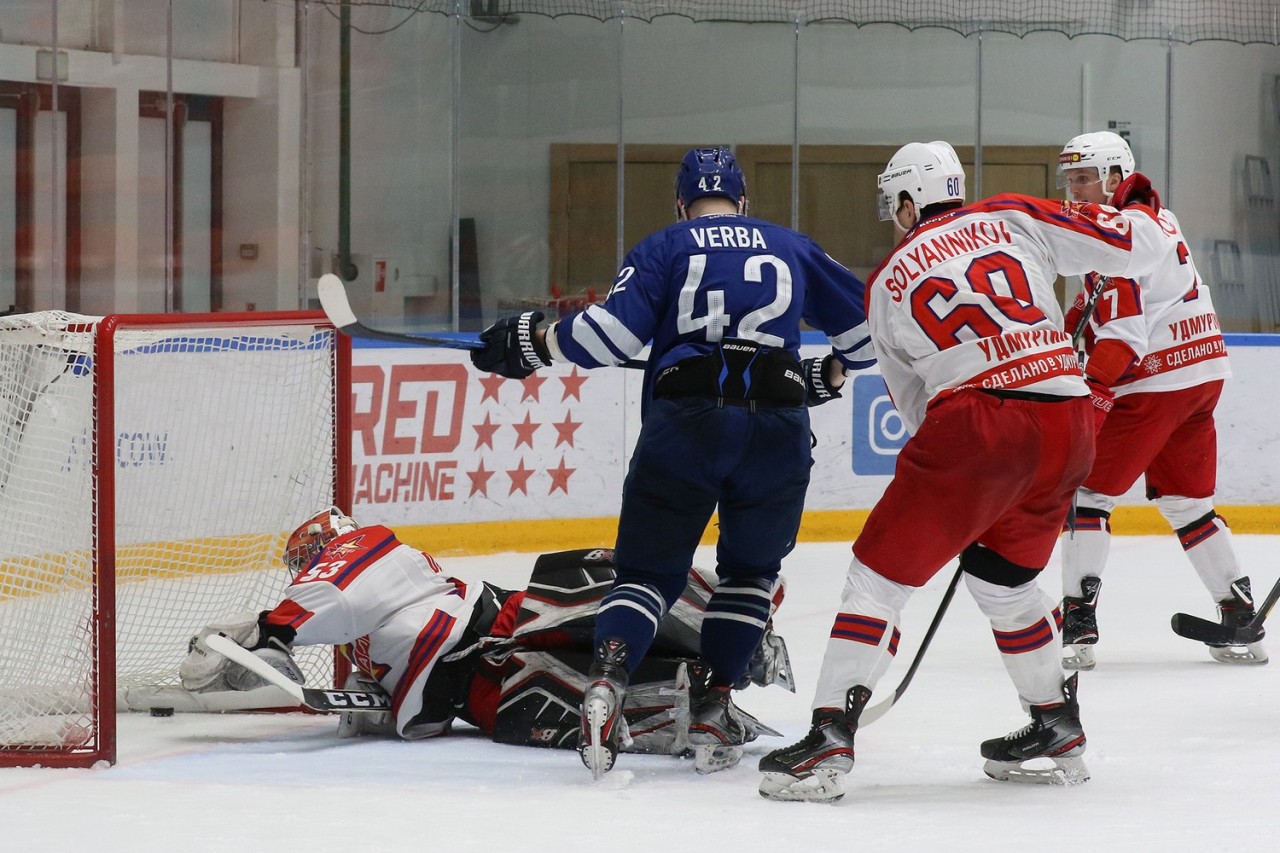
205, 671
512, 347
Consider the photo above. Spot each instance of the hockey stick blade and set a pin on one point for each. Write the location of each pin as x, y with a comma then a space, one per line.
333, 299
871, 714
329, 701
1206, 631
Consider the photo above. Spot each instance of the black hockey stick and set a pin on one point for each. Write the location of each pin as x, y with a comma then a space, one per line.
1086, 314
1077, 337
875, 712
329, 701
333, 299
1206, 631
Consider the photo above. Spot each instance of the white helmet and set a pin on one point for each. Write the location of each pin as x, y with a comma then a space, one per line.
929, 172
1102, 150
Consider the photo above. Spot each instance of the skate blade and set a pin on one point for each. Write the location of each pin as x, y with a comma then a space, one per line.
822, 786
596, 755
1066, 770
712, 758
1251, 655
1078, 657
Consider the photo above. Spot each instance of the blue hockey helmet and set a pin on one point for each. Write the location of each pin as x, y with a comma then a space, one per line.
709, 172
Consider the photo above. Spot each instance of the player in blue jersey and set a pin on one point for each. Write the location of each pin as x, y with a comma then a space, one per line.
721, 296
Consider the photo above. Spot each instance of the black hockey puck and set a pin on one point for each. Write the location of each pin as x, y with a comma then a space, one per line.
162, 712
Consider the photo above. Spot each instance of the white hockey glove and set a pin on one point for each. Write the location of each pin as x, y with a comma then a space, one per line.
204, 671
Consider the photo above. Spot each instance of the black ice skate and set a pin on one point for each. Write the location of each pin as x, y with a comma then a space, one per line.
1080, 626
604, 727
1053, 735
1237, 612
814, 768
717, 727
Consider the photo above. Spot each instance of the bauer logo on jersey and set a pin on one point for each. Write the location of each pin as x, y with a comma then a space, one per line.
878, 430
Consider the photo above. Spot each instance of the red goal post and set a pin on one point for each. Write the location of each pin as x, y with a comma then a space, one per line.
151, 467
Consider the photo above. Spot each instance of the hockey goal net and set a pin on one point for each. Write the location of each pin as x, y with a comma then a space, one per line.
151, 468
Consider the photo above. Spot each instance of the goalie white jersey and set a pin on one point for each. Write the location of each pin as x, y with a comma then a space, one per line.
966, 300
399, 614
1167, 319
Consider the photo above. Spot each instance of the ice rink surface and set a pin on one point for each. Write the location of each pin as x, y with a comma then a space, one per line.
1184, 754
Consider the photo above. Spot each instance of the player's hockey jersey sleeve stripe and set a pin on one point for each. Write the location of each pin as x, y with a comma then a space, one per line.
854, 347
374, 552
425, 649
604, 337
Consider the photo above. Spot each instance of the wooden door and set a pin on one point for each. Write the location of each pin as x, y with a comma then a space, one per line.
584, 214
837, 198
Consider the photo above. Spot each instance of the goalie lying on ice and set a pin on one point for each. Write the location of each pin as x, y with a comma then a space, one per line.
513, 664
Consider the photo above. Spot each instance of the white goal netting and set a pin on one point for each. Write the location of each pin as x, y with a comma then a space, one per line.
1179, 21
177, 464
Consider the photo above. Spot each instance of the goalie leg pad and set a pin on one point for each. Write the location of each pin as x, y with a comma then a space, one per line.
542, 694
239, 678
363, 723
203, 671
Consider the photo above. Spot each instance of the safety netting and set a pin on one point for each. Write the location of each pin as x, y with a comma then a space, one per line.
1182, 21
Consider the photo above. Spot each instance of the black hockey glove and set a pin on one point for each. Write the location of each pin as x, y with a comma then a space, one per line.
511, 347
817, 389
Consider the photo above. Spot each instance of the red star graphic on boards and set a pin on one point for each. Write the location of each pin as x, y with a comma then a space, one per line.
484, 432
531, 387
491, 384
525, 430
519, 478
572, 385
560, 477
565, 429
480, 480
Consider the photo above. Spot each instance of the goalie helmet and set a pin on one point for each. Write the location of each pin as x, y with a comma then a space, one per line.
928, 172
709, 172
1101, 151
313, 534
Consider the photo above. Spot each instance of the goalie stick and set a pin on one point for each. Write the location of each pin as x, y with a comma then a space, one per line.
336, 306
875, 712
328, 701
1206, 631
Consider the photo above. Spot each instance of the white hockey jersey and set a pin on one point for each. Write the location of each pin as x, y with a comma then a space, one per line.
966, 299
391, 603
1167, 319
